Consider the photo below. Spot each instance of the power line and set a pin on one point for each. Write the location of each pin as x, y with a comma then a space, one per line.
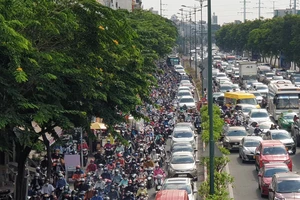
245, 8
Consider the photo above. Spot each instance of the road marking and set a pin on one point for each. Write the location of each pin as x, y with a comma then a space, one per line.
230, 189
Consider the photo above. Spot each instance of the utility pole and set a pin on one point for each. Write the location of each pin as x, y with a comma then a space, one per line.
245, 8
190, 54
259, 3
295, 7
160, 6
196, 55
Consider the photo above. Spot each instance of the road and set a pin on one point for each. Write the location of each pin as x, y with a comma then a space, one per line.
245, 177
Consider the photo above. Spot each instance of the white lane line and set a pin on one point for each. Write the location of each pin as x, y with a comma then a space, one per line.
230, 189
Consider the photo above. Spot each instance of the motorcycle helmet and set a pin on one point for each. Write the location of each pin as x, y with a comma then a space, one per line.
142, 185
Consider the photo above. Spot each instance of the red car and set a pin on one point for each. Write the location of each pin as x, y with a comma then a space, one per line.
266, 173
269, 151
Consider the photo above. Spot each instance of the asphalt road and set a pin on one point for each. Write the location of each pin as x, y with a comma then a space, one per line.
245, 186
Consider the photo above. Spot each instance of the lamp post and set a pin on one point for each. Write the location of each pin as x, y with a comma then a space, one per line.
210, 103
195, 58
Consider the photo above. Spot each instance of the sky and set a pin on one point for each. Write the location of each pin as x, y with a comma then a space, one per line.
226, 10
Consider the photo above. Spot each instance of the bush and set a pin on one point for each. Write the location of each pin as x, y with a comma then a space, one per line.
222, 179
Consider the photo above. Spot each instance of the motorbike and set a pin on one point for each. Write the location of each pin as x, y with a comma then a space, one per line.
149, 178
5, 195
158, 182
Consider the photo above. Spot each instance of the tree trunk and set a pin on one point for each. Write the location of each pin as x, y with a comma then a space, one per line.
21, 184
47, 144
271, 58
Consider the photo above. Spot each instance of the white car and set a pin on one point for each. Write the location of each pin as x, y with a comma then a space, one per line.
215, 72
190, 85
188, 101
178, 67
258, 115
181, 71
183, 135
277, 78
225, 87
258, 96
181, 183
236, 87
262, 89
182, 82
184, 93
184, 88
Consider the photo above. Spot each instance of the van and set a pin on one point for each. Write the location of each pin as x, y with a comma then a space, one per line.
172, 195
233, 98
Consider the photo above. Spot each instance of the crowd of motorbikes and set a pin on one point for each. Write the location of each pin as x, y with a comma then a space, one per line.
117, 171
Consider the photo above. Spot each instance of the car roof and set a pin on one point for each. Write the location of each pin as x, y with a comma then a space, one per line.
271, 143
275, 165
186, 97
259, 110
182, 128
183, 124
287, 175
253, 138
178, 180
278, 131
183, 87
183, 153
233, 128
180, 144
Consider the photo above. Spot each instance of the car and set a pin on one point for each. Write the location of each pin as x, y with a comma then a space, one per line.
232, 137
182, 147
263, 89
221, 76
182, 164
228, 69
236, 74
181, 183
184, 93
296, 80
258, 115
181, 72
216, 95
258, 96
266, 173
185, 88
269, 151
225, 87
284, 137
269, 75
245, 108
248, 84
277, 78
263, 126
178, 67
215, 72
286, 119
247, 147
285, 186
188, 101
184, 125
236, 87
182, 82
255, 84
183, 135
190, 85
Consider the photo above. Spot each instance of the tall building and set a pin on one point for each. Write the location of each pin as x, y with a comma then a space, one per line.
214, 19
282, 12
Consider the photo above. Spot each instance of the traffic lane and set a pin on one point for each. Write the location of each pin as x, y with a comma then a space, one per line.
245, 185
205, 73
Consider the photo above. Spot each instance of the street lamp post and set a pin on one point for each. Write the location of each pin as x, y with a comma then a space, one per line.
210, 103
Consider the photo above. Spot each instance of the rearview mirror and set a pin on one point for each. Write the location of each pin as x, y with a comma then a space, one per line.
170, 136
195, 150
195, 179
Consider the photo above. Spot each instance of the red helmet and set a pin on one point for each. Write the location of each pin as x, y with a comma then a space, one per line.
119, 155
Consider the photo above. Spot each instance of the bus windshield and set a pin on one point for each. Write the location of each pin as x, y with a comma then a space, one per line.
287, 101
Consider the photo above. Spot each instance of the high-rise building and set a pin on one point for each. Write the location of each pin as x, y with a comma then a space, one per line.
214, 19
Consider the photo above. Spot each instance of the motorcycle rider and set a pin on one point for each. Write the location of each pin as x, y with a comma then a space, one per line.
128, 196
100, 185
78, 174
84, 145
106, 174
257, 130
119, 148
36, 182
142, 191
149, 163
60, 184
108, 148
48, 188
113, 194
117, 177
120, 159
124, 182
130, 187
99, 170
97, 197
92, 167
158, 171
99, 158
111, 165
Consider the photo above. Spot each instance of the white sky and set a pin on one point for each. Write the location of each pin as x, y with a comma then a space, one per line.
226, 10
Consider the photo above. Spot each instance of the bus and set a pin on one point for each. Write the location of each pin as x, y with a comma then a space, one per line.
173, 60
282, 97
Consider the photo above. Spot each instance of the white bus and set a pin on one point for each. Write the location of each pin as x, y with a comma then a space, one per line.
283, 96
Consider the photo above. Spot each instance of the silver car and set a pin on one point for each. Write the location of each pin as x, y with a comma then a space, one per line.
183, 135
185, 124
182, 164
233, 136
182, 147
247, 147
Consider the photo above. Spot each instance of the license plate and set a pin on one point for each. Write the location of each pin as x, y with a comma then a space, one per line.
182, 175
235, 146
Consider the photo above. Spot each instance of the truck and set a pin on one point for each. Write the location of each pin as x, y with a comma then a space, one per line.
248, 71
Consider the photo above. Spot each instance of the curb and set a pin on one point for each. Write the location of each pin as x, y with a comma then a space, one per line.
205, 166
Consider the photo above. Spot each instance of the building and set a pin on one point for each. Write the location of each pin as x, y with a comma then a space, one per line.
214, 19
122, 4
237, 22
283, 12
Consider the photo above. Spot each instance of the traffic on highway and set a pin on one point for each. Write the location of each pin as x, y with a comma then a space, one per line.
260, 107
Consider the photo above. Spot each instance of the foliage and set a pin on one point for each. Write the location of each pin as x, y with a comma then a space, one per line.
221, 178
269, 37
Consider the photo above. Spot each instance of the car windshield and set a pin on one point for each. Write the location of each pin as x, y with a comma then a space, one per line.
277, 78
236, 73
247, 101
186, 100
259, 114
272, 171
280, 136
184, 94
251, 143
288, 186
269, 75
225, 88
261, 87
274, 151
247, 109
183, 148
297, 79
288, 117
182, 159
237, 133
221, 75
183, 134
257, 94
177, 186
